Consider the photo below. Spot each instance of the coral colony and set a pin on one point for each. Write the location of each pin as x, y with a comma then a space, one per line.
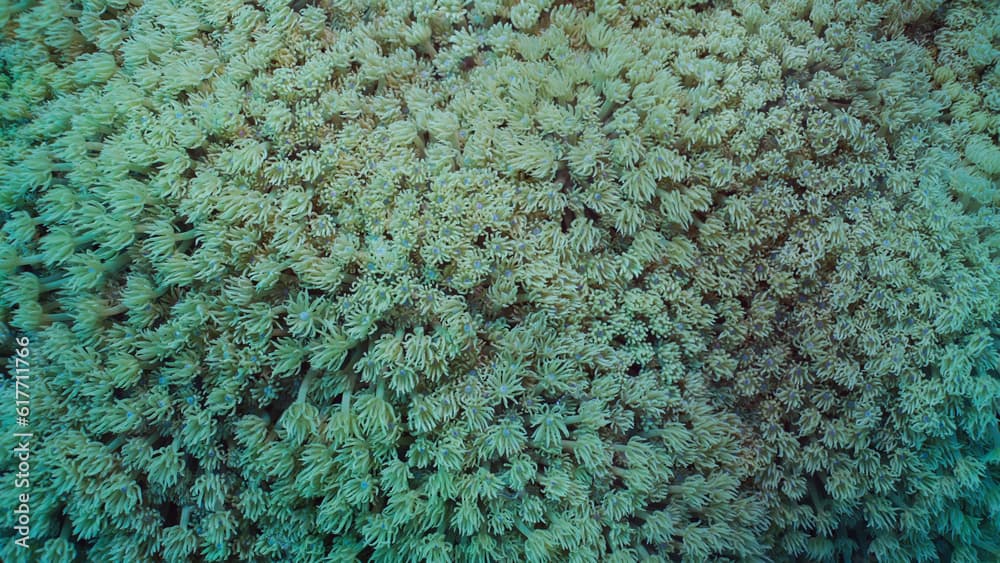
500, 280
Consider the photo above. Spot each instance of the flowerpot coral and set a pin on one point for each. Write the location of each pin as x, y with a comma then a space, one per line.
504, 280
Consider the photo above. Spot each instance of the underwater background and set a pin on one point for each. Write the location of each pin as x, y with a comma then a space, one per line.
337, 280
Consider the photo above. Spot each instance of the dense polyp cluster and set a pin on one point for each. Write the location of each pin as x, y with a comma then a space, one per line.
505, 281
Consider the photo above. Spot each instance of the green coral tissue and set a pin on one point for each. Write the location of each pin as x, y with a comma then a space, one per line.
500, 280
